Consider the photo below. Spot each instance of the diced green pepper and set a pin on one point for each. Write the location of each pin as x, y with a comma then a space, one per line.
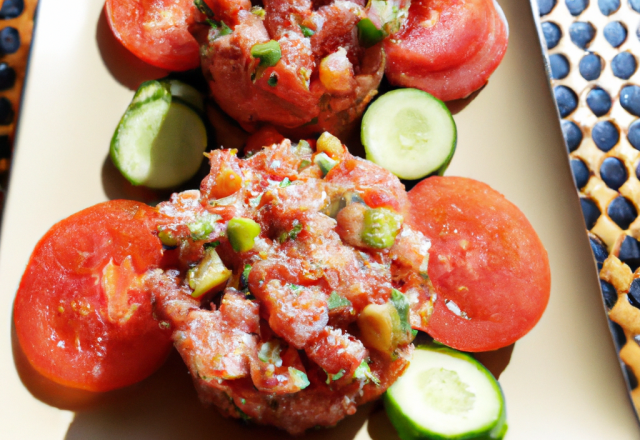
380, 228
368, 34
325, 163
209, 274
269, 53
242, 233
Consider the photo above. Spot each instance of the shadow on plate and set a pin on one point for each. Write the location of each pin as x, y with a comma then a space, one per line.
125, 67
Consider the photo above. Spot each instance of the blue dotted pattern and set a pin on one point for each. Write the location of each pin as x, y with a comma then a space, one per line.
593, 47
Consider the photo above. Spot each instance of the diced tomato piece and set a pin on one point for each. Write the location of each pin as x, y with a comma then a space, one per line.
487, 264
448, 48
156, 31
82, 314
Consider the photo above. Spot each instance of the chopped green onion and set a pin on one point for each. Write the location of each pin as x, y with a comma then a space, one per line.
270, 352
203, 7
401, 303
363, 372
307, 32
285, 182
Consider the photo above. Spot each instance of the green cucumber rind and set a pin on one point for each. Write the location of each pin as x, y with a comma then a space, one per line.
115, 145
409, 430
371, 113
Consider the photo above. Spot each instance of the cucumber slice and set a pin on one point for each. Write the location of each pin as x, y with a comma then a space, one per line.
186, 93
446, 394
160, 141
410, 133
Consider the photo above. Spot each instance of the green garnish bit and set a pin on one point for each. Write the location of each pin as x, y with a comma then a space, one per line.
224, 29
203, 7
285, 182
203, 226
242, 233
325, 163
368, 34
212, 245
299, 378
268, 53
273, 80
307, 32
304, 164
292, 234
258, 11
295, 288
380, 228
336, 301
244, 278
401, 304
333, 377
363, 372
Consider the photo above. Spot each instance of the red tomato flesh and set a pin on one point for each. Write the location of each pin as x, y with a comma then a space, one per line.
485, 258
156, 31
82, 314
448, 48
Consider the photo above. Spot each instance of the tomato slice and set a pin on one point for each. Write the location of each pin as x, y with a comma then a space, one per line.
156, 31
82, 314
448, 48
486, 262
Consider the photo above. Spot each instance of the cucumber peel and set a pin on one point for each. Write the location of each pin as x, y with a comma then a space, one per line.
160, 140
410, 133
446, 394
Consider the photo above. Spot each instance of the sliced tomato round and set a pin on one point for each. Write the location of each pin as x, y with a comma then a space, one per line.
82, 314
448, 48
487, 264
156, 31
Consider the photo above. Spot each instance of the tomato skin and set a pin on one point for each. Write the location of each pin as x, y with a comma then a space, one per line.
82, 314
453, 57
163, 43
485, 257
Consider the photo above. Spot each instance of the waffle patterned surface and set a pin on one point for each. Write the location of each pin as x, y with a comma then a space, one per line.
592, 49
16, 30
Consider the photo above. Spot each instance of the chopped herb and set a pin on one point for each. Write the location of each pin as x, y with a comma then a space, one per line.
203, 226
254, 203
297, 228
270, 352
273, 80
224, 29
332, 377
304, 164
295, 288
244, 278
203, 7
307, 32
414, 332
285, 182
401, 304
336, 301
299, 378
363, 372
212, 245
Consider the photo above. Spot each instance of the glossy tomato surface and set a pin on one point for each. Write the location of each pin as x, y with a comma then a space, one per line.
448, 48
82, 314
487, 264
156, 31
